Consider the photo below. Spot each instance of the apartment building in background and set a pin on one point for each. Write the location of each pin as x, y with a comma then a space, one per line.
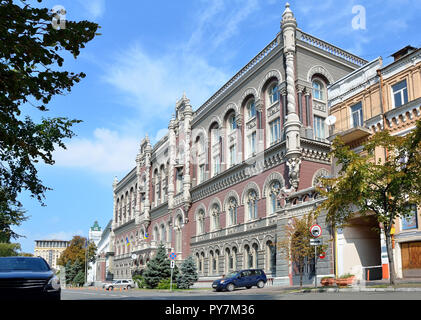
50, 250
373, 98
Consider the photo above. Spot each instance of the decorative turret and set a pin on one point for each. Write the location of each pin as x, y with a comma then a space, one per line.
293, 123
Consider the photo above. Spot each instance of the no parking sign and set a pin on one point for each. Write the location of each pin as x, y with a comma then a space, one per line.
316, 231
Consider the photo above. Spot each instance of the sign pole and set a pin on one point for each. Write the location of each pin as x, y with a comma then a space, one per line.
171, 280
315, 267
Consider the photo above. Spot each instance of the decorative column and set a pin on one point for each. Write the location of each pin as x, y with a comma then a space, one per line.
293, 123
148, 151
172, 150
188, 114
115, 213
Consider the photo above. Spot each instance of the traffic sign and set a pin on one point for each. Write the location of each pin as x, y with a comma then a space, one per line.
316, 242
322, 255
172, 264
316, 231
172, 255
134, 256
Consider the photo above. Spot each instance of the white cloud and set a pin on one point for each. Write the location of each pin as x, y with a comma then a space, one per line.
154, 83
107, 152
94, 8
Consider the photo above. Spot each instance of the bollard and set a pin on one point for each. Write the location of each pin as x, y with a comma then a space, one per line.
368, 274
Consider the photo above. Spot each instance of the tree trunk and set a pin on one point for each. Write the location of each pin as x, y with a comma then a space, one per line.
392, 274
301, 275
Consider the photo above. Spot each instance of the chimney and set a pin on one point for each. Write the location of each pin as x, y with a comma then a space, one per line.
403, 52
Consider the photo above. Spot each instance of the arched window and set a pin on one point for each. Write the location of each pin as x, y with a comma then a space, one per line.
227, 259
273, 93
232, 209
155, 234
270, 257
178, 234
255, 259
215, 212
216, 261
252, 205
275, 190
163, 234
248, 258
318, 90
200, 222
251, 109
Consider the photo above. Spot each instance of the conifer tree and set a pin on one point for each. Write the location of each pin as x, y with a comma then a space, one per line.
158, 269
188, 274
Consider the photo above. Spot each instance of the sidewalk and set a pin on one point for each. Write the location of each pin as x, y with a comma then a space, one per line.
407, 285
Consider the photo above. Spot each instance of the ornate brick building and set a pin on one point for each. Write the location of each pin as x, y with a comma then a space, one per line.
228, 176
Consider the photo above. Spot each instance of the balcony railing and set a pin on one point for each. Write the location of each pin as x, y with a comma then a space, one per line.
348, 129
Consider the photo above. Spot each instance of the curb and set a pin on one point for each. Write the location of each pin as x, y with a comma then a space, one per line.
335, 290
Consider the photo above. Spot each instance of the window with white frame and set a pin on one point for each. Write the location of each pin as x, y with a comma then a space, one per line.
251, 109
400, 93
232, 123
275, 190
252, 144
357, 115
318, 90
215, 211
232, 156
216, 165
252, 204
275, 130
273, 93
179, 180
319, 128
200, 222
232, 209
201, 173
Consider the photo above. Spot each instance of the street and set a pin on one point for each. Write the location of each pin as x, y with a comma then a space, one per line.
266, 294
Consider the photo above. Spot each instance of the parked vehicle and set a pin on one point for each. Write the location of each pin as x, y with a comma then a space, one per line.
244, 278
28, 278
117, 284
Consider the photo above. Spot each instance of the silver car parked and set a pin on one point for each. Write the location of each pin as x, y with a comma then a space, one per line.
117, 284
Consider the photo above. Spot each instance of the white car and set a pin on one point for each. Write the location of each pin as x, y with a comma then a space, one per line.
124, 284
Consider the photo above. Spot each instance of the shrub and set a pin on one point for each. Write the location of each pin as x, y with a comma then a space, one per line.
165, 284
140, 281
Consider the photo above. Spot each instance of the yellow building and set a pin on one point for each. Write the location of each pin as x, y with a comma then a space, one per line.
50, 250
373, 98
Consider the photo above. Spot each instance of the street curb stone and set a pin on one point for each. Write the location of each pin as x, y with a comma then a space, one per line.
334, 290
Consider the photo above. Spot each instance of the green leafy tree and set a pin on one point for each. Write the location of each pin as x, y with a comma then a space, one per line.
382, 188
158, 269
188, 274
295, 244
31, 74
77, 251
9, 249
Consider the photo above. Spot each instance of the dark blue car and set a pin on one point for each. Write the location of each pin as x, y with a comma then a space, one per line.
244, 278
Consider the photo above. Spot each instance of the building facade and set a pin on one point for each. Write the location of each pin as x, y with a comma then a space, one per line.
50, 250
227, 178
374, 98
104, 257
94, 235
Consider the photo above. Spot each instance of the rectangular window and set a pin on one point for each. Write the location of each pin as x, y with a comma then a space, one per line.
319, 128
252, 144
400, 93
201, 173
411, 222
232, 156
357, 115
216, 165
275, 129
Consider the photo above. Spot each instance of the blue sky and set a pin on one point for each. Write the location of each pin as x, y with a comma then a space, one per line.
149, 53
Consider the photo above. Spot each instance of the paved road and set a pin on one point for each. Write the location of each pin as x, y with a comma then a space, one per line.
240, 294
